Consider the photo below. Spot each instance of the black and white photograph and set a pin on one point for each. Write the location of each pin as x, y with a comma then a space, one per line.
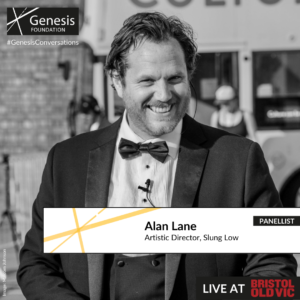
149, 104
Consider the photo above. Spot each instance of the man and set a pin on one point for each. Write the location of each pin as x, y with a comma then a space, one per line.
230, 117
85, 116
188, 165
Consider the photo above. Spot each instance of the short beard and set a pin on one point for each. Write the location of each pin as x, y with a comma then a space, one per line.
153, 132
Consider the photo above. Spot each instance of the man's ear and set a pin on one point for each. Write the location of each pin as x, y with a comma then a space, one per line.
117, 83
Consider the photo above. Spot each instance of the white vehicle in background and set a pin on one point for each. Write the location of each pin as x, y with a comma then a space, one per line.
253, 45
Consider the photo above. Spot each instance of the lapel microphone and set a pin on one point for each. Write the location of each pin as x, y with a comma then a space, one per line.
147, 190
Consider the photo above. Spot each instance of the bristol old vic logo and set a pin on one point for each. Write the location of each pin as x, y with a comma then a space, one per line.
42, 21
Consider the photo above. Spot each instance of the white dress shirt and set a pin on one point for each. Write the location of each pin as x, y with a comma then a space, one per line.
128, 174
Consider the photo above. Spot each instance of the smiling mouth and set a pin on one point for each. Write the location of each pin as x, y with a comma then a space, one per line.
160, 109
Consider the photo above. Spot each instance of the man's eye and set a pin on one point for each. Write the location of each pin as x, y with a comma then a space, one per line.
146, 81
175, 79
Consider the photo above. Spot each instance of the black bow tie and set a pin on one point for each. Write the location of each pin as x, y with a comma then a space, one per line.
157, 150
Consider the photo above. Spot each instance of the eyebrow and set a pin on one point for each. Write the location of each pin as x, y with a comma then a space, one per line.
152, 76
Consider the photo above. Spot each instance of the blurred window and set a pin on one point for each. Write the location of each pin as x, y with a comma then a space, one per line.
214, 70
277, 89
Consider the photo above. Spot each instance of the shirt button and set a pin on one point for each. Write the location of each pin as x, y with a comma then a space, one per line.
147, 166
121, 263
155, 263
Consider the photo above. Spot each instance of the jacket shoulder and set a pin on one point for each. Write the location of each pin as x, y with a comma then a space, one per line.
90, 140
215, 137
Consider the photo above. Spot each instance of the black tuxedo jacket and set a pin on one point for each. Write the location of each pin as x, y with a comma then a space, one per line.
215, 169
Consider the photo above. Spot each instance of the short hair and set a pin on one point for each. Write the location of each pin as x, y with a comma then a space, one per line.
154, 27
88, 104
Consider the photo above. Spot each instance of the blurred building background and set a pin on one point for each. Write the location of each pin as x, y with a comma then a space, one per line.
34, 102
252, 45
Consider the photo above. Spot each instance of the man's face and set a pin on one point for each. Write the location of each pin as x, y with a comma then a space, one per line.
156, 92
83, 122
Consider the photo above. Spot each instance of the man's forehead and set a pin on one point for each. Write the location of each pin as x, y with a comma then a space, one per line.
150, 44
155, 52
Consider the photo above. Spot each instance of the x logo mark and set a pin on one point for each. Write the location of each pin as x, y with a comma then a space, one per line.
16, 20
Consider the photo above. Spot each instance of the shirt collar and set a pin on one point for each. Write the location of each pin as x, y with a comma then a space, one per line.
172, 139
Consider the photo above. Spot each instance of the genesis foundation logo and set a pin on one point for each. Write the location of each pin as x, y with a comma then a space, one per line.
42, 21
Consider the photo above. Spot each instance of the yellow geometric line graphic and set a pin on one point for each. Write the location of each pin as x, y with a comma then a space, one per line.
78, 229
63, 242
95, 225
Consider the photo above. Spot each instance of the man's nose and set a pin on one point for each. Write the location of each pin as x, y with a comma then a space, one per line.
163, 91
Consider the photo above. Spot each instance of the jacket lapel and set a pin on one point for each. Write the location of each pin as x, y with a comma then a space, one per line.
98, 175
191, 162
96, 195
190, 166
96, 275
172, 264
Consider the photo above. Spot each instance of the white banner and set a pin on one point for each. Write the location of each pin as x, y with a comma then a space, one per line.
171, 230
